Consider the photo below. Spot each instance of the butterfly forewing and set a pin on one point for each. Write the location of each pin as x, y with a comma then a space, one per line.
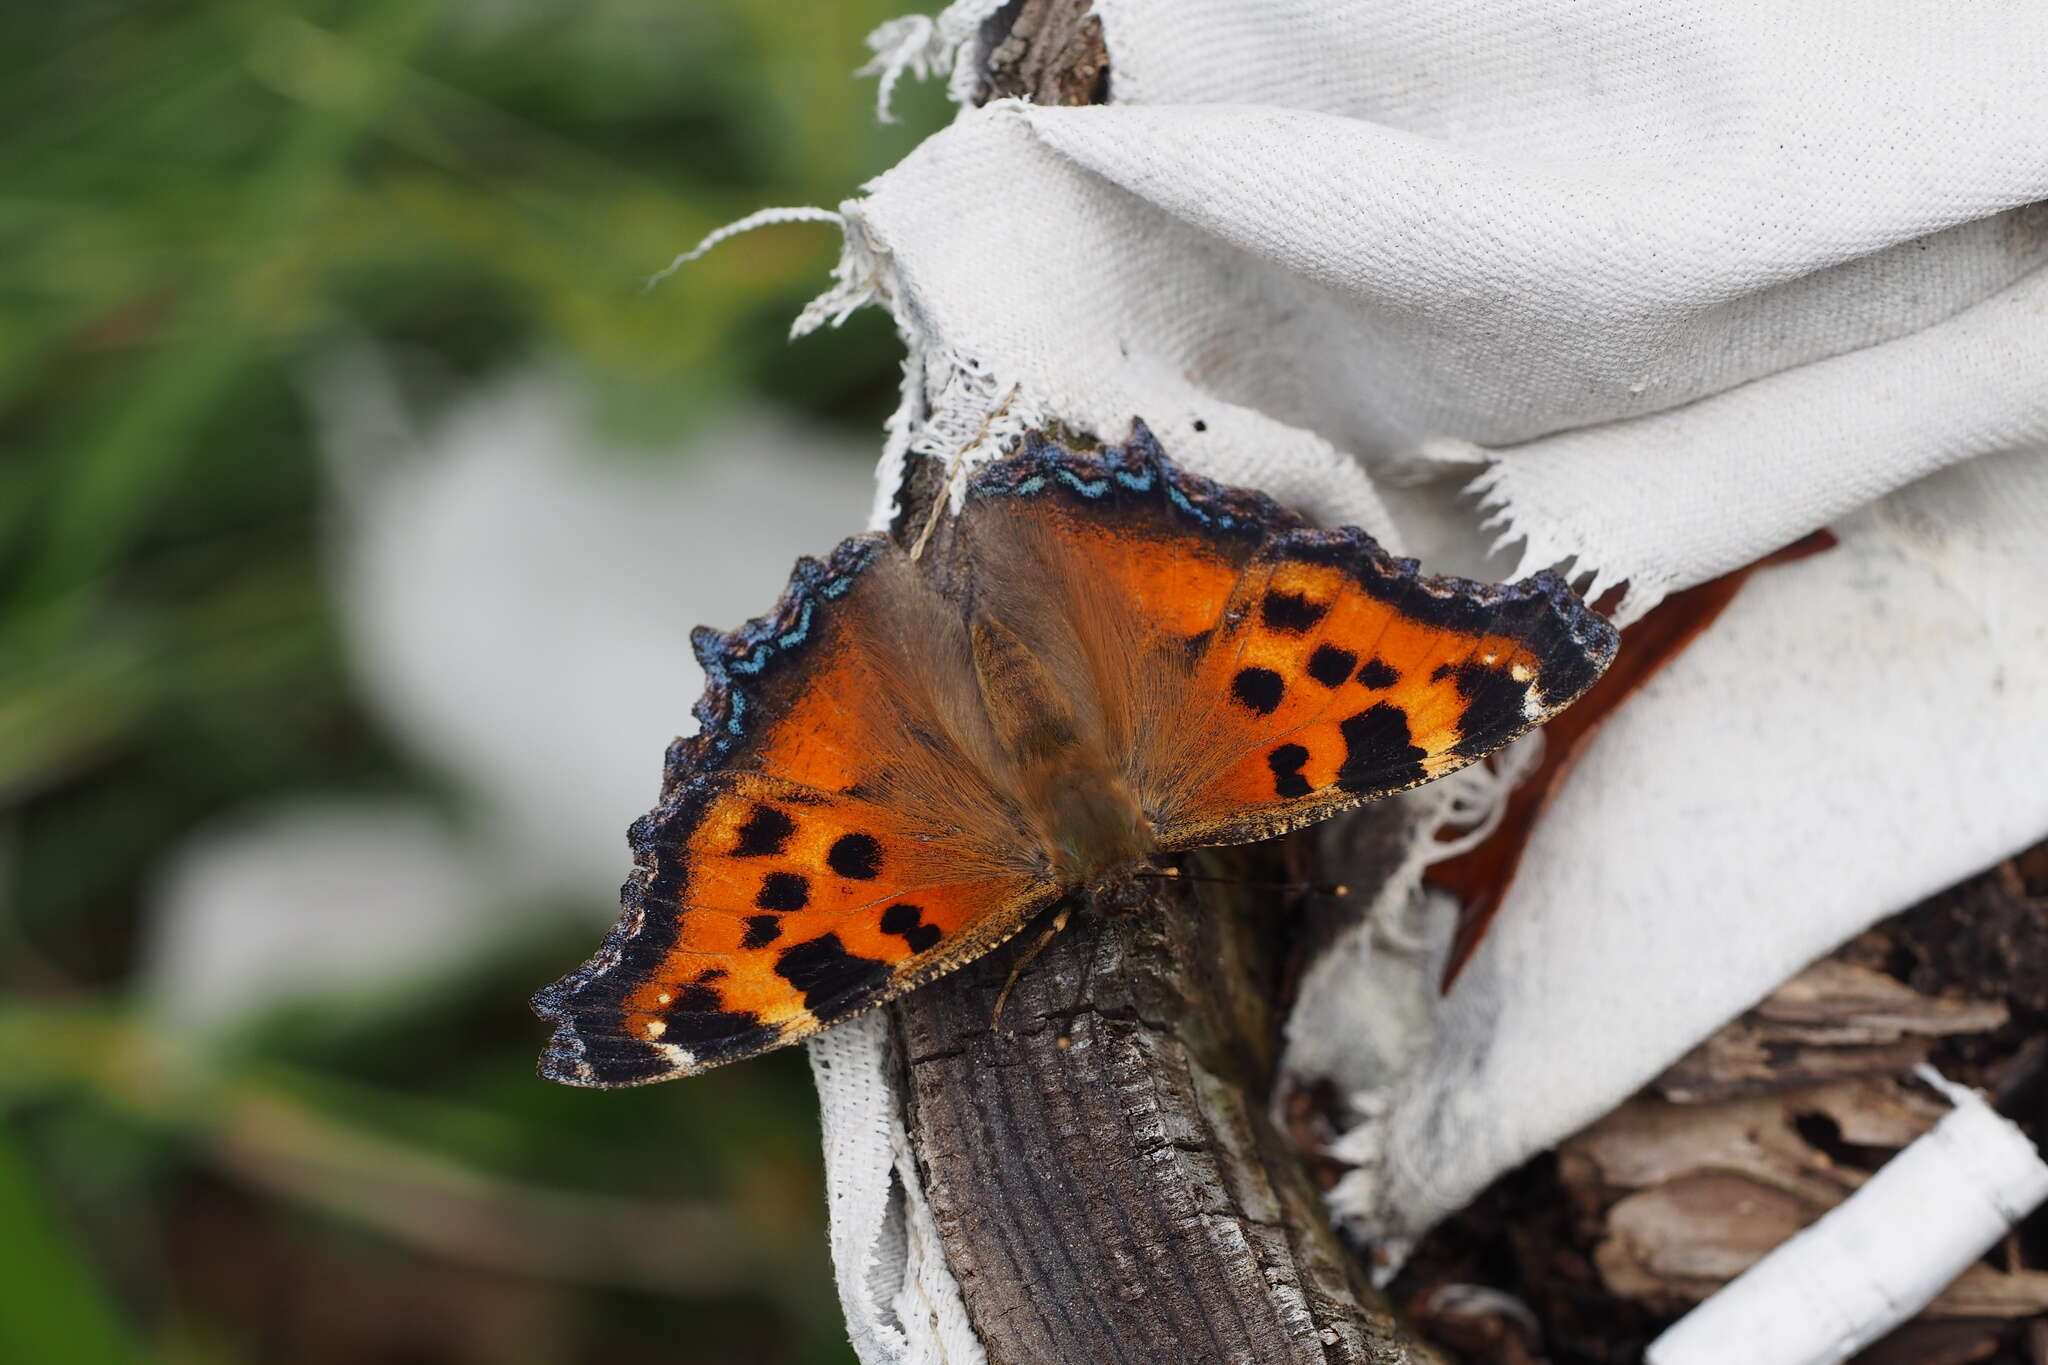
1338, 676
827, 839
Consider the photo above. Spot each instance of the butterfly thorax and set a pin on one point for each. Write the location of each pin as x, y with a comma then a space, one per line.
1082, 810
1087, 819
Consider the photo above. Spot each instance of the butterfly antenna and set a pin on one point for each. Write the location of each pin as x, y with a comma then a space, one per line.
931, 522
1059, 922
1174, 874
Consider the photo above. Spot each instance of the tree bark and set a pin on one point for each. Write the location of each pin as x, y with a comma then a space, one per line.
1046, 51
1107, 1182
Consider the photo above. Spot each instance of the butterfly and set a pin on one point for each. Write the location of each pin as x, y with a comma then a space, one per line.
1103, 660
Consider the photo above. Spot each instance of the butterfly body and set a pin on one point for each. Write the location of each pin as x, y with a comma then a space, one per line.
1082, 811
1104, 659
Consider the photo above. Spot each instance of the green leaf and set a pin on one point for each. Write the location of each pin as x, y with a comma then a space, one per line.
52, 1306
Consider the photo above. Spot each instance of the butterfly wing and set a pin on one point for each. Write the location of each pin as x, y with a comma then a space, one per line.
1256, 674
830, 837
1339, 675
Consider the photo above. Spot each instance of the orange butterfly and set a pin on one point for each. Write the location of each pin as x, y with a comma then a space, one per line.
1104, 660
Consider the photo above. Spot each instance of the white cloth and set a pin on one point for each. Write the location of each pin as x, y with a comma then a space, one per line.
1666, 286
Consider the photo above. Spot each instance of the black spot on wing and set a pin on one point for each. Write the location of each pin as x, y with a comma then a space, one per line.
1379, 752
762, 930
1286, 762
1378, 674
784, 891
765, 834
1493, 708
832, 979
906, 922
1330, 665
696, 999
857, 856
1258, 688
1290, 612
697, 1022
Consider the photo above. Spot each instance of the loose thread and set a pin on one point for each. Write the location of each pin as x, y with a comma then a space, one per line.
945, 495
759, 219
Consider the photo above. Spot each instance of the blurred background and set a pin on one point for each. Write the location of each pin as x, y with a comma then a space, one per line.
355, 504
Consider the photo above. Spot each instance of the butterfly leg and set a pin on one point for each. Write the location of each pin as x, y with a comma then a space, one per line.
1059, 922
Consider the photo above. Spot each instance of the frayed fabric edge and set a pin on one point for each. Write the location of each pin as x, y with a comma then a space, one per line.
902, 1304
924, 45
953, 407
1545, 547
760, 218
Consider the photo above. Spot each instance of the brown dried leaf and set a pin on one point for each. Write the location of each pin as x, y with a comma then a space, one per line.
1834, 1020
1672, 1246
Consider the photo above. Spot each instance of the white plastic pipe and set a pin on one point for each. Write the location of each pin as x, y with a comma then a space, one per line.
1877, 1258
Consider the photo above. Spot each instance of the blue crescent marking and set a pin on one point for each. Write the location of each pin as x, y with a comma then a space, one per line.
803, 628
1085, 487
1180, 500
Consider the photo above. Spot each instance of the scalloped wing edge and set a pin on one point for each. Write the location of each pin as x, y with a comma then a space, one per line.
1043, 467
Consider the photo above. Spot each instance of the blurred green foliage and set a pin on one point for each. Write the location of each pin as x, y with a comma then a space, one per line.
196, 201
